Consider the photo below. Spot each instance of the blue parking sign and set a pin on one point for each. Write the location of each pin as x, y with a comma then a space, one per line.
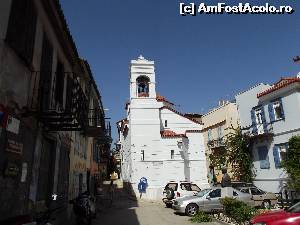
142, 186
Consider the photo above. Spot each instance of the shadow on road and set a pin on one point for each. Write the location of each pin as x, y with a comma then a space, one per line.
118, 210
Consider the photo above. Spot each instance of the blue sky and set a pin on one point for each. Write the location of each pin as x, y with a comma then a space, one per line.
199, 60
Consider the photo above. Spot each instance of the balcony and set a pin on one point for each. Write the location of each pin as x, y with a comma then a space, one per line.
95, 123
261, 131
217, 143
56, 107
61, 107
105, 137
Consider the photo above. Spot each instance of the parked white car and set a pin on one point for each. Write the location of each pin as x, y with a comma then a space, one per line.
177, 189
208, 200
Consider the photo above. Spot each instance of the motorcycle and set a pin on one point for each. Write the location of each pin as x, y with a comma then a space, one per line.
84, 208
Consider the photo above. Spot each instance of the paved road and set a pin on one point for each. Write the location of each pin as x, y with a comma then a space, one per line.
130, 212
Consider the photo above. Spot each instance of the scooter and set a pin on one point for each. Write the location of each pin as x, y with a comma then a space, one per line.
84, 208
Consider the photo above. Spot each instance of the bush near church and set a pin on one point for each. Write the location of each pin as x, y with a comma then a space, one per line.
237, 210
201, 217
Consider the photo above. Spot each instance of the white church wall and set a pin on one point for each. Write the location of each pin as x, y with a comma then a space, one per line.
178, 123
146, 121
197, 159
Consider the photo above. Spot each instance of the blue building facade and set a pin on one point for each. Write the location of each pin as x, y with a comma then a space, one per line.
271, 116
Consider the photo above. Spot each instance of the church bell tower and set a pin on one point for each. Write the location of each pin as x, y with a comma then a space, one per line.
142, 79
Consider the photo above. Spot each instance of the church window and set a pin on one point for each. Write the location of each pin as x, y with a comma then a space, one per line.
142, 155
166, 123
172, 154
143, 86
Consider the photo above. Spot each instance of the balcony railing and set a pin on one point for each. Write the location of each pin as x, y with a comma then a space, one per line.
105, 137
70, 113
217, 143
261, 130
95, 123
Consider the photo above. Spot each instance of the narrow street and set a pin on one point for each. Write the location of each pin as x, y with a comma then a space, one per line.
125, 210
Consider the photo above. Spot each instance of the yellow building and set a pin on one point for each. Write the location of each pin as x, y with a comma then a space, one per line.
86, 150
217, 124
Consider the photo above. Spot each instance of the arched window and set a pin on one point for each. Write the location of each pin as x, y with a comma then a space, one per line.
143, 86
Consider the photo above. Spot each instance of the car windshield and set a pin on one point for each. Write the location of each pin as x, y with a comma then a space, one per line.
256, 191
186, 186
203, 192
295, 208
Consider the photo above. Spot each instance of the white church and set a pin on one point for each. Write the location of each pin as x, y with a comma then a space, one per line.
155, 140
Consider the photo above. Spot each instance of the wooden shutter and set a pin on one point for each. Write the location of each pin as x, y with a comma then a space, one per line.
254, 127
69, 96
263, 157
21, 29
219, 132
271, 112
276, 156
46, 74
263, 118
282, 111
209, 135
59, 86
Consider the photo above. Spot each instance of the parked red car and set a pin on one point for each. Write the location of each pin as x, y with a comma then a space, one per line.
289, 217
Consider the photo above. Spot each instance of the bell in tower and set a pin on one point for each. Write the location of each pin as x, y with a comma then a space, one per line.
143, 86
142, 79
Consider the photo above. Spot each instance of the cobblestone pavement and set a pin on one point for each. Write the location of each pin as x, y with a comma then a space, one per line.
128, 211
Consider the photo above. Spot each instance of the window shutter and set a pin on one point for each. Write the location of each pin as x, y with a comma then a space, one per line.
276, 156
281, 106
46, 74
254, 128
21, 29
263, 117
271, 112
263, 157
287, 150
219, 132
59, 84
209, 135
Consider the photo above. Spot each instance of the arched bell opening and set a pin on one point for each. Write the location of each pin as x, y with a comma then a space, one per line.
143, 86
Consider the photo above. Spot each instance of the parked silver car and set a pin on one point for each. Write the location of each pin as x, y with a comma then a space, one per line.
207, 200
260, 197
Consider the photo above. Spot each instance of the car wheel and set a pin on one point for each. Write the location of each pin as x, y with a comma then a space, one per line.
266, 204
191, 209
170, 194
169, 205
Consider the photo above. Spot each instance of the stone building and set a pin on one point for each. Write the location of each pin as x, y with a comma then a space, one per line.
155, 140
44, 108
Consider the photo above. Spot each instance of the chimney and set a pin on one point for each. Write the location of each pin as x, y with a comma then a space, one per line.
221, 102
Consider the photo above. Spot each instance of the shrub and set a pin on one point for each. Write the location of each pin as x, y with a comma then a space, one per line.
291, 163
237, 148
237, 210
201, 217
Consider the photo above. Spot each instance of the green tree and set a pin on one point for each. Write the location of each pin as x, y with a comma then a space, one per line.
292, 162
239, 155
